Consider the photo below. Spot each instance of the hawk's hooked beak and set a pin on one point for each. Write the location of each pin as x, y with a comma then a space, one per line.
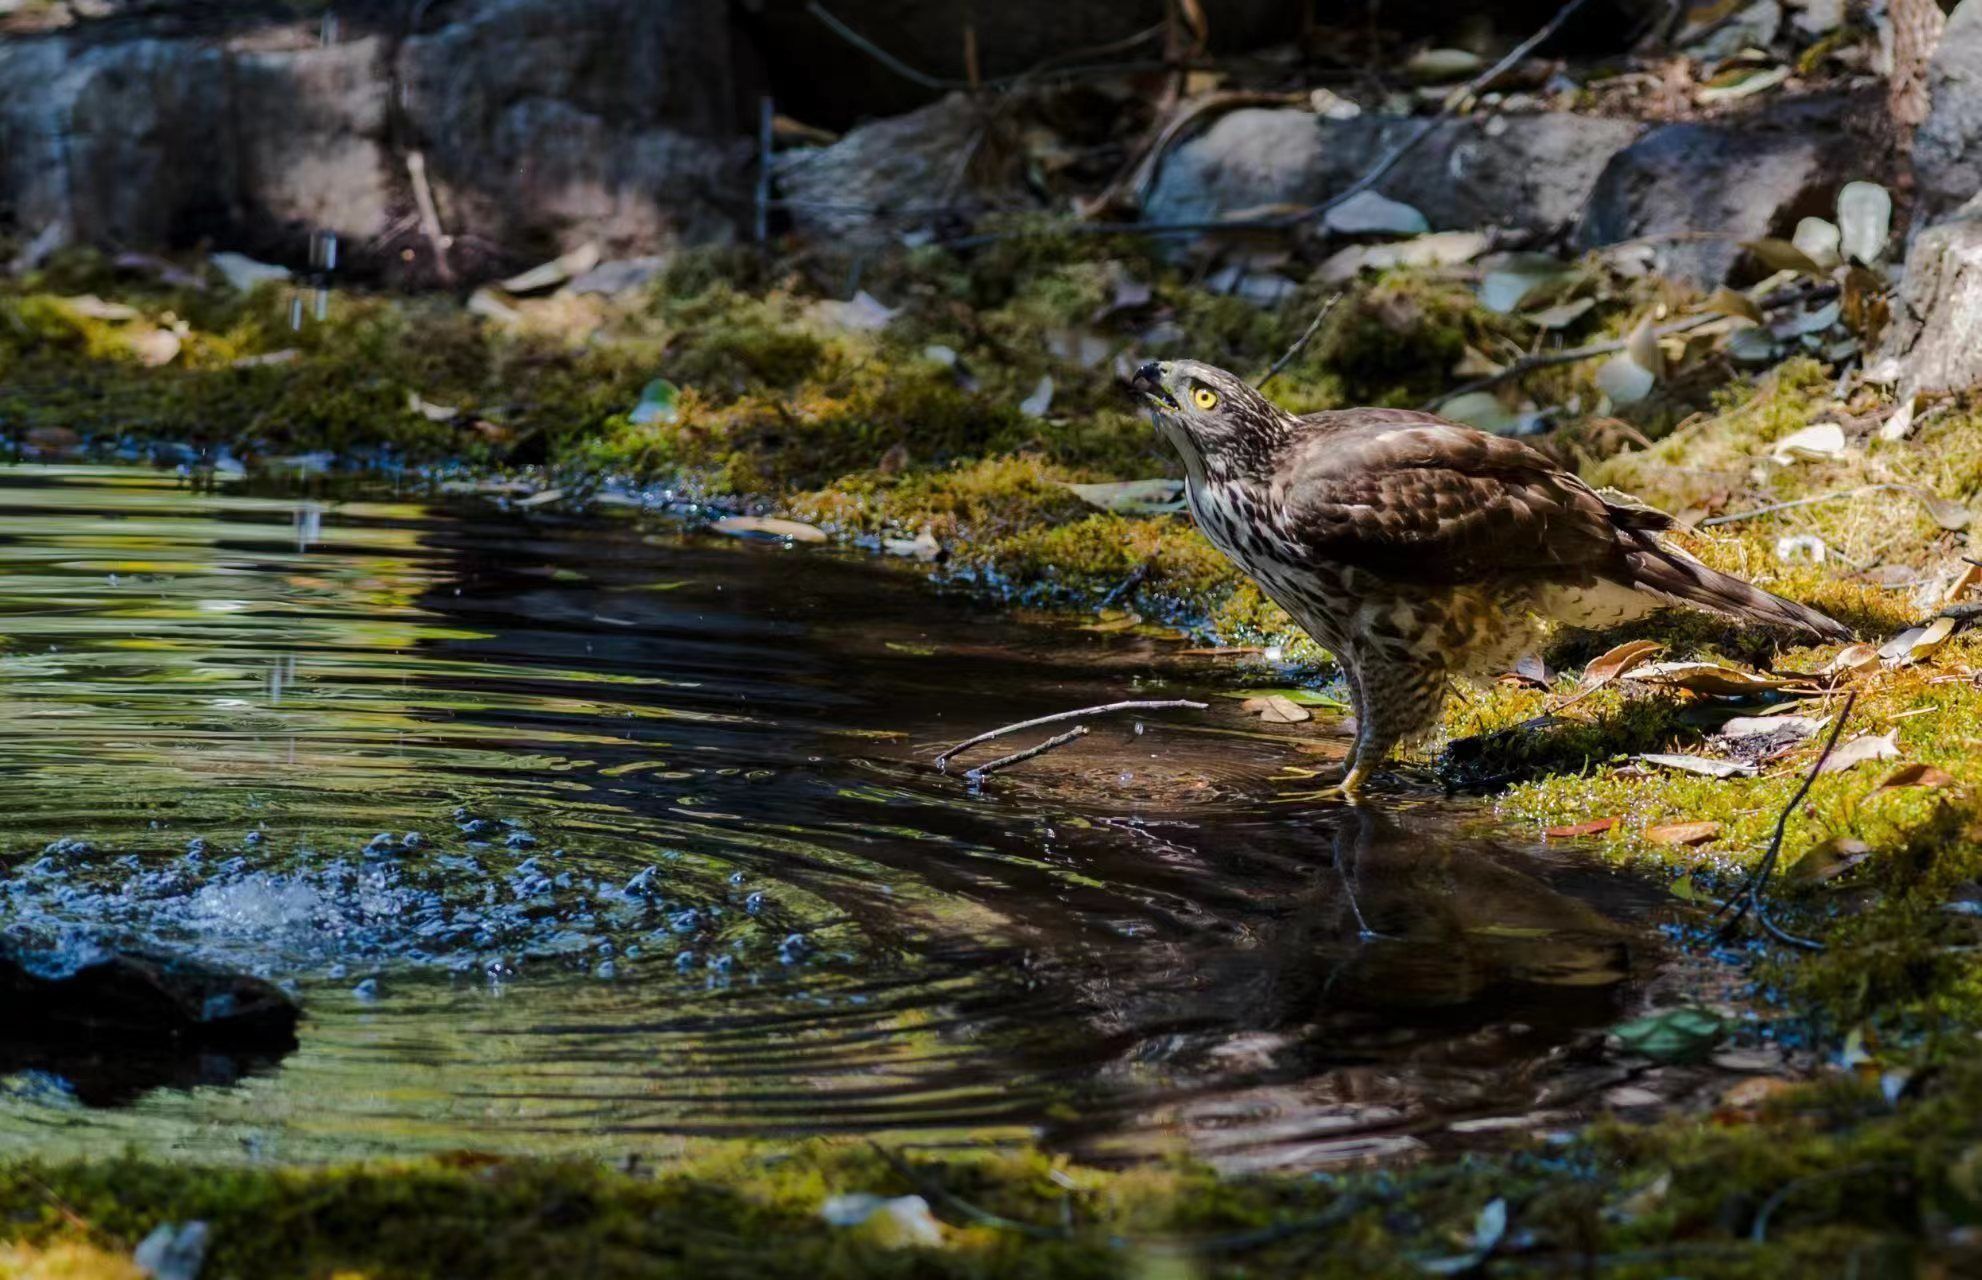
1148, 383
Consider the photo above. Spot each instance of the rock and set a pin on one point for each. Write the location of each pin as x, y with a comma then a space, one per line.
543, 125
121, 142
98, 988
901, 174
1791, 162
547, 123
1722, 35
313, 148
1533, 172
1947, 147
1936, 334
111, 1024
173, 1252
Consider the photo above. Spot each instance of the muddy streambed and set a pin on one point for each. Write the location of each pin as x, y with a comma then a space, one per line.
574, 839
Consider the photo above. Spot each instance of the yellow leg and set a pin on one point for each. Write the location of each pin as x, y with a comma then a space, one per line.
1352, 782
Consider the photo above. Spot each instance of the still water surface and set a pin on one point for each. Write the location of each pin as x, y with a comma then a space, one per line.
575, 838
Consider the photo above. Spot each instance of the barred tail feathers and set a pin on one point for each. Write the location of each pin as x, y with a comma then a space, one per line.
1677, 577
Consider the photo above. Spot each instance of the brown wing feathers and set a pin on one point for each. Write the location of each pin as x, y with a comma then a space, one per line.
1408, 495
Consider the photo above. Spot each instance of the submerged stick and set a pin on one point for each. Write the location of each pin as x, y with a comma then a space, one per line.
1082, 713
1749, 896
1019, 757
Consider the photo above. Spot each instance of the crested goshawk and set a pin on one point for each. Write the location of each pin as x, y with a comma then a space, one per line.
1415, 549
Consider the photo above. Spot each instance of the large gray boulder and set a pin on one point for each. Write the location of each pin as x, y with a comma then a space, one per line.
123, 142
546, 123
543, 125
1947, 147
1528, 171
313, 143
1696, 190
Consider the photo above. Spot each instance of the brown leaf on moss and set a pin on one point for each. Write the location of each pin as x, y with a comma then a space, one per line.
1710, 678
1594, 827
1687, 833
1829, 860
1916, 774
1607, 666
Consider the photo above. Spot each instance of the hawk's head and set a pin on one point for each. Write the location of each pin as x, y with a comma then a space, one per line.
1219, 424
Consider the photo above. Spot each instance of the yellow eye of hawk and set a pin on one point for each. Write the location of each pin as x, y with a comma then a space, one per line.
1205, 398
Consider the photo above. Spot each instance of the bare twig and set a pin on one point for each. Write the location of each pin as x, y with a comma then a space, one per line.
1833, 496
1749, 896
1544, 359
1570, 355
1171, 704
423, 196
1020, 757
942, 83
1300, 343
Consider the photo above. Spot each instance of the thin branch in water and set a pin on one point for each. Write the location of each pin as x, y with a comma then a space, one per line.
1749, 896
1301, 343
1020, 757
1081, 713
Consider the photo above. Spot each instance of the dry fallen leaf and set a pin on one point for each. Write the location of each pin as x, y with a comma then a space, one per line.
1706, 766
1683, 833
1915, 644
1916, 775
1277, 709
1851, 660
1859, 750
1710, 678
1607, 666
1823, 440
1574, 830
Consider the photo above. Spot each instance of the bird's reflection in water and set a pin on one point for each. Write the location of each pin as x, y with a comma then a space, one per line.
1400, 980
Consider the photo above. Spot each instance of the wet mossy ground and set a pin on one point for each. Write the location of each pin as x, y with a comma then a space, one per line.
788, 403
